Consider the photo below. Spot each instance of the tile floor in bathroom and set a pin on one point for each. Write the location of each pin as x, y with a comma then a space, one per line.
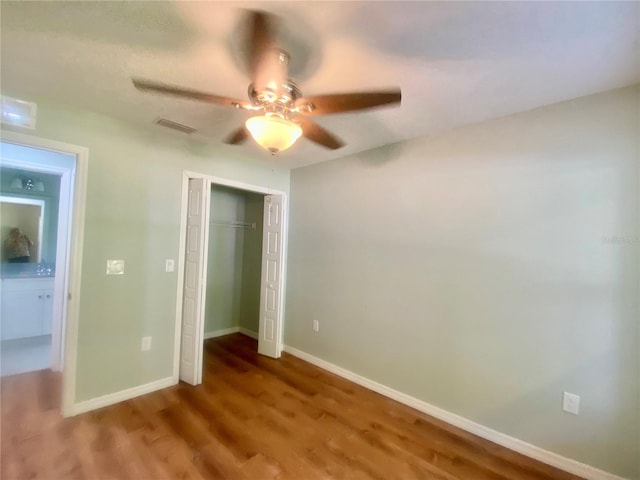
25, 355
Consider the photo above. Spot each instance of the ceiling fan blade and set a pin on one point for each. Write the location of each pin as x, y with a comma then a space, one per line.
317, 134
155, 87
237, 136
261, 48
347, 102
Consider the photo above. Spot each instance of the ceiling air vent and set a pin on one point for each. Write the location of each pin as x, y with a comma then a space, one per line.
18, 112
175, 125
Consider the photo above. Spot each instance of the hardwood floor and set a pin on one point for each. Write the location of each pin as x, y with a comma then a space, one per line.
253, 418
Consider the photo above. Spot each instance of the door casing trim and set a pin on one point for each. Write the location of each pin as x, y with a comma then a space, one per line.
214, 180
71, 288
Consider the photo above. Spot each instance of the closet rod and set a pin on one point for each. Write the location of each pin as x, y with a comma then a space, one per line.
234, 224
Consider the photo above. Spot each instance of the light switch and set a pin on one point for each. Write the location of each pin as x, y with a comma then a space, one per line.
571, 403
115, 267
169, 265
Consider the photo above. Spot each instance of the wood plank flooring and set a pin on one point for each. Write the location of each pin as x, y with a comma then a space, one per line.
253, 418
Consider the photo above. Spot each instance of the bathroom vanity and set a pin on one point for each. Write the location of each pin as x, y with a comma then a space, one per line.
27, 306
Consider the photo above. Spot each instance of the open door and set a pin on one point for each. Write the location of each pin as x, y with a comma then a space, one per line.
188, 360
271, 284
193, 298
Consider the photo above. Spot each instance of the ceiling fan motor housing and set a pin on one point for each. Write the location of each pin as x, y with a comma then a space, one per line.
279, 101
279, 94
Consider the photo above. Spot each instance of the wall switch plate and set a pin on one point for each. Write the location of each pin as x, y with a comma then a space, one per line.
115, 267
571, 403
316, 326
145, 345
169, 265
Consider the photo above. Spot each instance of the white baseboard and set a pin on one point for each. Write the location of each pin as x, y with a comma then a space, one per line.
221, 332
572, 466
249, 333
229, 331
117, 397
121, 396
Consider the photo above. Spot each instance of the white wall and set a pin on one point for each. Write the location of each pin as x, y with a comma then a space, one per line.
468, 269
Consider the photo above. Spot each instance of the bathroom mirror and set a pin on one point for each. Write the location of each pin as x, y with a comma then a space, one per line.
27, 214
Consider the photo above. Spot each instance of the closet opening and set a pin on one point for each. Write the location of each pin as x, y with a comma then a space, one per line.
234, 263
231, 269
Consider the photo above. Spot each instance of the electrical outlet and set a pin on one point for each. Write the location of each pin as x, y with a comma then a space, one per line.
169, 265
316, 326
571, 403
145, 345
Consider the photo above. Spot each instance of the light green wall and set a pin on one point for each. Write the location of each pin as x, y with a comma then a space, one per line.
234, 261
468, 269
224, 266
133, 213
252, 263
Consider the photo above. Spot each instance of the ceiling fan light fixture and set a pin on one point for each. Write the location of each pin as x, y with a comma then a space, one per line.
273, 133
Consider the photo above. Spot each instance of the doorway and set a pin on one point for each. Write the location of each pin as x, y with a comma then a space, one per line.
26, 308
232, 268
36, 307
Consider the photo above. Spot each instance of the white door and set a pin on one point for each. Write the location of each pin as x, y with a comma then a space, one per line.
193, 301
271, 290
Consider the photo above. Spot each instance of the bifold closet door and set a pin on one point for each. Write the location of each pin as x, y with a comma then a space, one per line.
193, 301
271, 283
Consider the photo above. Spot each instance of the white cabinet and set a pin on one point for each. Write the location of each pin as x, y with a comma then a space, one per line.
47, 311
27, 307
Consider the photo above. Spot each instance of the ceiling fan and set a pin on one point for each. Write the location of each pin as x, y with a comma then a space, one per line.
281, 109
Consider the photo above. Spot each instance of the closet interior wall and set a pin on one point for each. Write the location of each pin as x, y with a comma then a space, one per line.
234, 262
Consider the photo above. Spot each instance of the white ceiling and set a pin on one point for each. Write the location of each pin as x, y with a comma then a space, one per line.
457, 63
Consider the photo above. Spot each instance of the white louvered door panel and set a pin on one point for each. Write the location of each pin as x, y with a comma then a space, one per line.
271, 295
191, 341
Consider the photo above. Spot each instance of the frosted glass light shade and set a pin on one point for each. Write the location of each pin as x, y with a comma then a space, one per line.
273, 133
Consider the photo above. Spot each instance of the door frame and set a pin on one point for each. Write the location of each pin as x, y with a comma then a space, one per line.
67, 280
214, 180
